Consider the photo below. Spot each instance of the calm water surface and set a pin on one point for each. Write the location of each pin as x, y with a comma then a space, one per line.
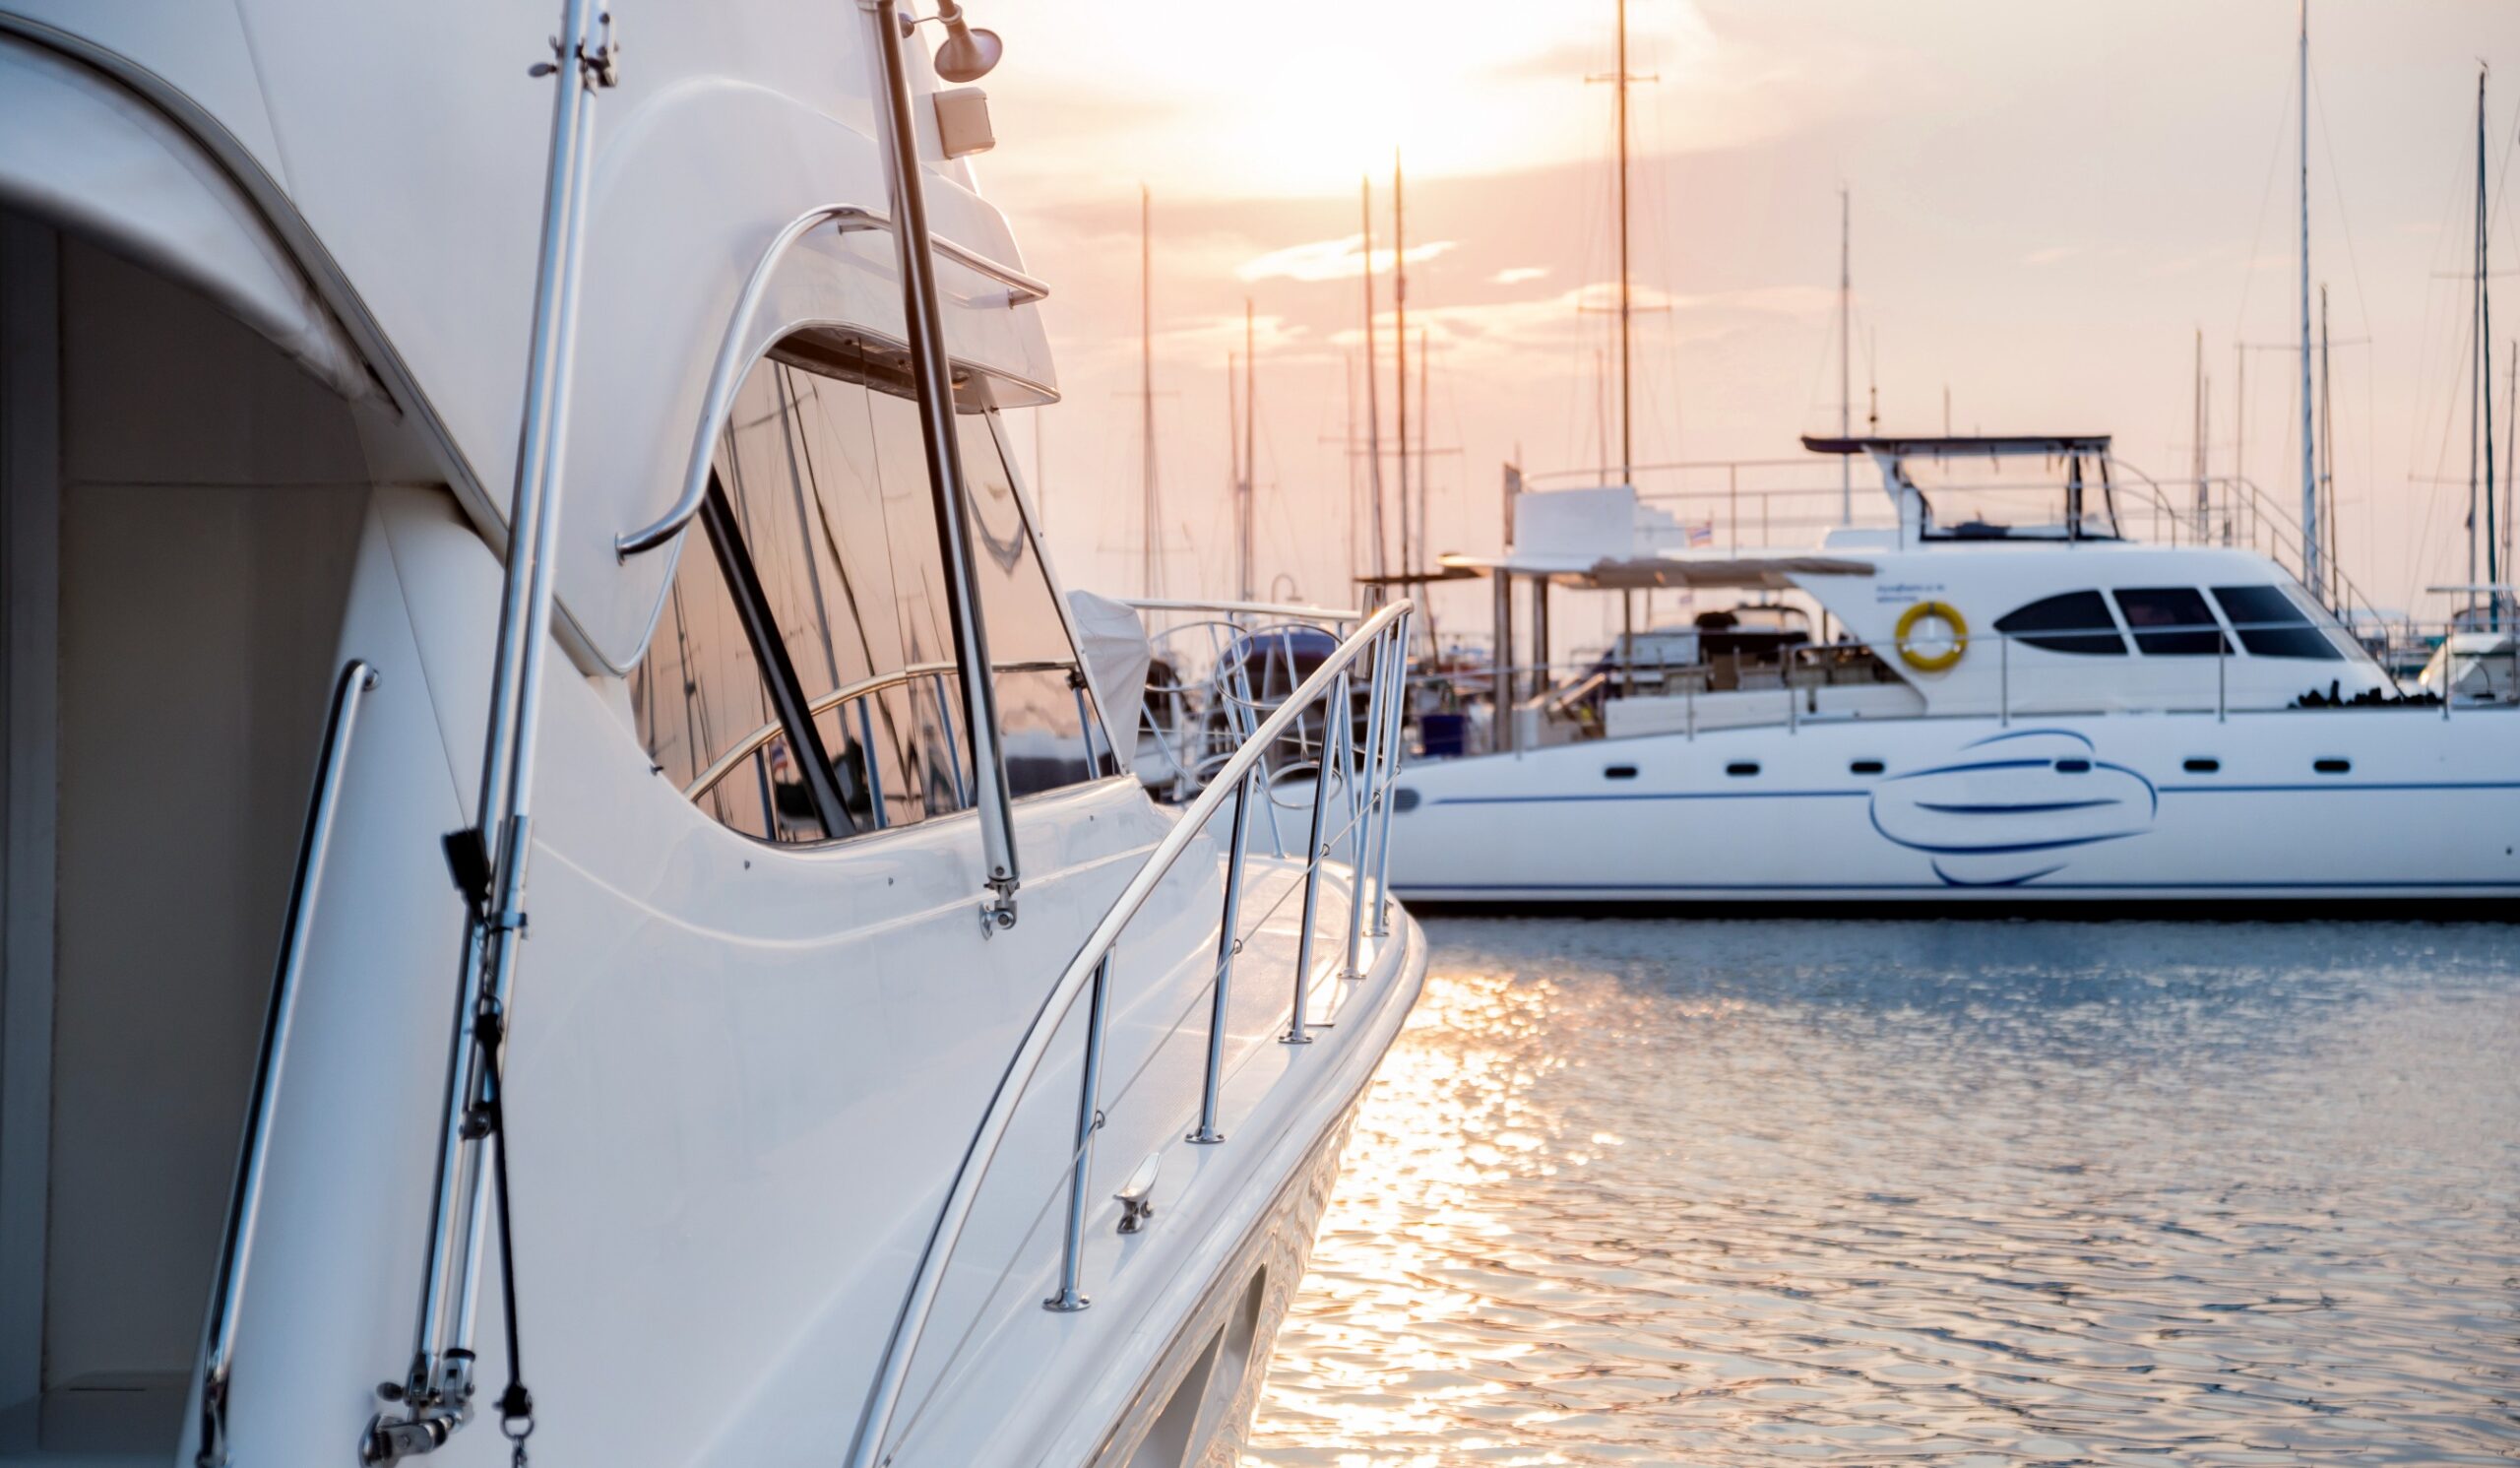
1996, 1194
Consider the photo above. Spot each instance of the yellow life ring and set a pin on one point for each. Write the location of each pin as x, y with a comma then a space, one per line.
1942, 611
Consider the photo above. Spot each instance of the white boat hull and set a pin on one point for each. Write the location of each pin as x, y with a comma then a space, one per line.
2297, 806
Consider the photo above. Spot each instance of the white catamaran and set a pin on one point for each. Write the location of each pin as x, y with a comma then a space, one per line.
2022, 703
542, 453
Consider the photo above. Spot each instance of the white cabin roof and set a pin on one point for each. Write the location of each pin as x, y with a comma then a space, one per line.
396, 154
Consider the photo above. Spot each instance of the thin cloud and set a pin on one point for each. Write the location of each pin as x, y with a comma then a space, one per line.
1342, 258
1517, 275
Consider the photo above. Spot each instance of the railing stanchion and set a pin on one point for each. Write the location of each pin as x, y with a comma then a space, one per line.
1360, 830
1395, 715
1229, 939
1089, 1120
1313, 855
2003, 680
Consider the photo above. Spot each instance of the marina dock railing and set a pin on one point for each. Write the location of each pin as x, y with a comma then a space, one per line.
1350, 776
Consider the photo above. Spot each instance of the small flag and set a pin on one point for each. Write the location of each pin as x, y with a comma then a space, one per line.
1702, 534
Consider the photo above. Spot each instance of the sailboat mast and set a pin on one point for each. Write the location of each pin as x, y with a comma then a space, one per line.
2483, 426
2310, 570
1374, 393
2196, 434
2327, 454
1846, 353
1400, 354
1150, 564
1627, 401
1246, 522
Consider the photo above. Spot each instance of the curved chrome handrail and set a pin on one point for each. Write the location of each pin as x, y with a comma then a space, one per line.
751, 743
726, 374
866, 1450
236, 1251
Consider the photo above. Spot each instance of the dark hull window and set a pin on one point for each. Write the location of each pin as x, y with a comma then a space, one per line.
2074, 622
2171, 621
2271, 626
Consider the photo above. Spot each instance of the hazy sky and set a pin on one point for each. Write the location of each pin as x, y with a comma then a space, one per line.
2050, 201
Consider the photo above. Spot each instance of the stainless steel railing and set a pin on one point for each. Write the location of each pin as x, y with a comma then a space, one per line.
1362, 772
938, 674
244, 1206
1792, 689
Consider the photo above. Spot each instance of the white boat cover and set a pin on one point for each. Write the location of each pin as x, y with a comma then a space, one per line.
1118, 654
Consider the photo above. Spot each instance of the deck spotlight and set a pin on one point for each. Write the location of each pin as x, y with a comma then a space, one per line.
967, 54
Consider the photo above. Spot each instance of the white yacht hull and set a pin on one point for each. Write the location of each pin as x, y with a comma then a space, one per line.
2299, 806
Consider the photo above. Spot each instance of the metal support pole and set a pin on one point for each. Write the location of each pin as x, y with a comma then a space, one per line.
1359, 826
1502, 682
436, 1393
1089, 1120
933, 375
1229, 942
2003, 681
1314, 855
236, 1254
1381, 909
874, 766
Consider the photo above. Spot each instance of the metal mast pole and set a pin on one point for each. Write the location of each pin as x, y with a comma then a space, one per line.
1244, 526
1846, 353
1400, 354
1373, 396
2197, 433
2310, 572
1626, 417
2494, 568
1348, 364
2327, 457
1150, 560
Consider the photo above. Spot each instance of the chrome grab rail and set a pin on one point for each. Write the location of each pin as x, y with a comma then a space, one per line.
1248, 609
1384, 637
727, 373
751, 743
244, 1206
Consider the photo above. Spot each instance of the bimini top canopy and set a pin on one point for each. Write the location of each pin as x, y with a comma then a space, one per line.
1654, 572
1999, 446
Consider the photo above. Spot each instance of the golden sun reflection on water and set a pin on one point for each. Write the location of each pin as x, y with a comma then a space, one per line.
1640, 1193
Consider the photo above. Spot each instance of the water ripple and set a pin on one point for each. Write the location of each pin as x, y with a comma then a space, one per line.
1635, 1192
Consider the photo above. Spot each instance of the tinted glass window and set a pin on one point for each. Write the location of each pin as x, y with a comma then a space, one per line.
2171, 620
699, 693
861, 594
1043, 709
2074, 622
2270, 625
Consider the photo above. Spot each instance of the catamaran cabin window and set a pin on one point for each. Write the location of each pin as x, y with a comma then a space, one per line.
2270, 625
2171, 620
2073, 623
808, 630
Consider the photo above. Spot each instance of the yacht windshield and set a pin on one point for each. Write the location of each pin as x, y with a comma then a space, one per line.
2055, 491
